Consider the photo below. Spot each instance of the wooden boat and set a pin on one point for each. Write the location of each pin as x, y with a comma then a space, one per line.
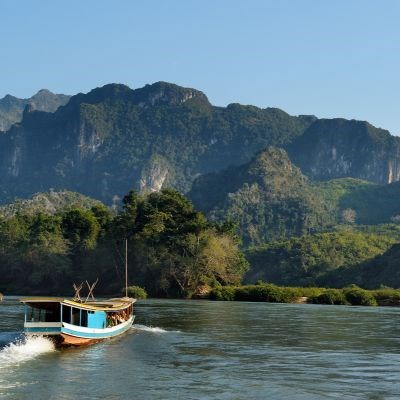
74, 322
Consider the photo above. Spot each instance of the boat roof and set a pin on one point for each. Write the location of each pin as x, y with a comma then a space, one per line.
101, 305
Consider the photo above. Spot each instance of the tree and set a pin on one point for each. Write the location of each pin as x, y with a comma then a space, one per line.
349, 216
81, 228
175, 247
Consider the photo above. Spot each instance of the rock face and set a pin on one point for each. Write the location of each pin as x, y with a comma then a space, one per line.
154, 174
11, 108
340, 148
113, 139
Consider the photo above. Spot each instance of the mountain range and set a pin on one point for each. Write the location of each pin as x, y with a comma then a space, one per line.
114, 138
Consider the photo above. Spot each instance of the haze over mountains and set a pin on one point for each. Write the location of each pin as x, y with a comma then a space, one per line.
278, 176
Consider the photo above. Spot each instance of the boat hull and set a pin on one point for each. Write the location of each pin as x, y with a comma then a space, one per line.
65, 340
70, 335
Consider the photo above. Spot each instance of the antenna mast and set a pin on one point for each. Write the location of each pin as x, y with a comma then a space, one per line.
126, 267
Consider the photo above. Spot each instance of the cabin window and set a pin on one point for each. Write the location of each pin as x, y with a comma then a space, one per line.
66, 314
35, 314
76, 316
84, 318
43, 312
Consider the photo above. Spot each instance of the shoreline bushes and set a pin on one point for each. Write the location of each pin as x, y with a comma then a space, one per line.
137, 292
268, 292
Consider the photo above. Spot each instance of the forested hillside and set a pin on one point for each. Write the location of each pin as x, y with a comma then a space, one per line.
329, 259
269, 198
173, 249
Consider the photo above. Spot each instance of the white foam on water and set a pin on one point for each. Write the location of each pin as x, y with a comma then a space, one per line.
24, 349
149, 328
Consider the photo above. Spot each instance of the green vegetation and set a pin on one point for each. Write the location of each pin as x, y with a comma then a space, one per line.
60, 237
382, 270
371, 203
49, 203
137, 292
267, 292
359, 297
387, 297
269, 198
329, 296
173, 249
309, 259
353, 295
333, 192
262, 292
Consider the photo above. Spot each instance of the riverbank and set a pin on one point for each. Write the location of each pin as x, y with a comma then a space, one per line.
266, 292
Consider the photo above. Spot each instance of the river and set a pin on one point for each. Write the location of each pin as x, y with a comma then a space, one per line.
181, 349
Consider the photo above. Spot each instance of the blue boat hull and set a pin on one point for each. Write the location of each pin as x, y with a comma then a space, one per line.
71, 335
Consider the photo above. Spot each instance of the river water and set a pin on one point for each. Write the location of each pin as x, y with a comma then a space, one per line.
213, 350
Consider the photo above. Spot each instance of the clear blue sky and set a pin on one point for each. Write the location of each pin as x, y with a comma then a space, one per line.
328, 58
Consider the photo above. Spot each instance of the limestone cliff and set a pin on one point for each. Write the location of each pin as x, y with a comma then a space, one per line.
339, 148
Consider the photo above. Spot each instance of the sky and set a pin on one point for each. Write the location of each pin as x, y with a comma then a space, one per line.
327, 58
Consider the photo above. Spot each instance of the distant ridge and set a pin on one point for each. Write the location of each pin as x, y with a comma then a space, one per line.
11, 108
48, 203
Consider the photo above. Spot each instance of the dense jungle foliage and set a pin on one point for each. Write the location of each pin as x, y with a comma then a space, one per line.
173, 249
321, 259
269, 198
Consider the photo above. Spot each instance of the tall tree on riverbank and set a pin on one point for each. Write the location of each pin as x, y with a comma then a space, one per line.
174, 246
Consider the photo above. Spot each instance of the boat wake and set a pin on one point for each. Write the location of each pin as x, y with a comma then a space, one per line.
24, 349
149, 328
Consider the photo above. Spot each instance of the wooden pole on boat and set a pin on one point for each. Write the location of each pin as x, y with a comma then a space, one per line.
126, 267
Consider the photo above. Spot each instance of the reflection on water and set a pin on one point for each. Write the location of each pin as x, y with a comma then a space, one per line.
214, 350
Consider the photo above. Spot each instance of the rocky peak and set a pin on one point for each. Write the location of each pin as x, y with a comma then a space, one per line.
163, 93
12, 108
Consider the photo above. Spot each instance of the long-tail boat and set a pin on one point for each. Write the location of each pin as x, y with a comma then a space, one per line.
71, 322
76, 322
